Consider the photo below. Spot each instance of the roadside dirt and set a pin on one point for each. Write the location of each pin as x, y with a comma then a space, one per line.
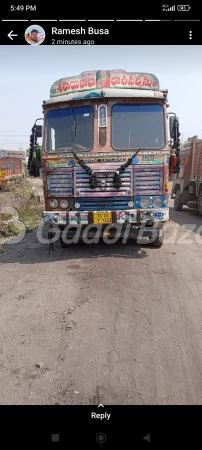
116, 324
10, 200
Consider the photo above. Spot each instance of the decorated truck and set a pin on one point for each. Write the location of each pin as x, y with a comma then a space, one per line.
106, 155
187, 184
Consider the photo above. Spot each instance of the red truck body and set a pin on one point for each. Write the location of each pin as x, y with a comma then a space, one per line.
187, 185
8, 168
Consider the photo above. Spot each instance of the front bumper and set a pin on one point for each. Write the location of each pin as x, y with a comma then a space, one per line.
132, 216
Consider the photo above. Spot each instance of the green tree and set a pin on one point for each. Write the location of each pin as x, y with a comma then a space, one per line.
35, 161
38, 154
34, 167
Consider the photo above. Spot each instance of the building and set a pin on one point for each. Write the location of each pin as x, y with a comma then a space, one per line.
13, 154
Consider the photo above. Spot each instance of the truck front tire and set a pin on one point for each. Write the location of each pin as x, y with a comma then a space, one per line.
178, 205
158, 241
200, 203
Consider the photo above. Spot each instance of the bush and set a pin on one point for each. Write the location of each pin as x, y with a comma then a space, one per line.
30, 211
8, 229
5, 216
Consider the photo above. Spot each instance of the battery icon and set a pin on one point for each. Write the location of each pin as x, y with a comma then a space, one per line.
183, 7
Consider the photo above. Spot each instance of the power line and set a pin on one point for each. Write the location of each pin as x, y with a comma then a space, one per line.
15, 132
14, 135
14, 140
196, 131
15, 144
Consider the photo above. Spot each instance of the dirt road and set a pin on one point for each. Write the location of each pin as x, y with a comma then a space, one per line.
116, 324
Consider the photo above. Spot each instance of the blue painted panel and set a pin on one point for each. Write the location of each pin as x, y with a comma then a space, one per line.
100, 204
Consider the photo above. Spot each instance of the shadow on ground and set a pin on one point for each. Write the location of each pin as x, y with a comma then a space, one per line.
31, 251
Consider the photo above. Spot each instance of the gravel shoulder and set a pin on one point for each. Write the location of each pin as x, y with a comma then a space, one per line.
116, 324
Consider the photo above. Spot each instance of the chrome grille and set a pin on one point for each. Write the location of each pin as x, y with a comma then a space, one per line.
148, 181
60, 184
83, 189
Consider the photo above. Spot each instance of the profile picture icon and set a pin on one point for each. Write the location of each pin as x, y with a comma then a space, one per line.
35, 35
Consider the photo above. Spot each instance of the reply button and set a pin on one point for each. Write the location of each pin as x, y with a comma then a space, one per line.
100, 416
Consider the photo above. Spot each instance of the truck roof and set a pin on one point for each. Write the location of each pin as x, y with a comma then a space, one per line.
106, 93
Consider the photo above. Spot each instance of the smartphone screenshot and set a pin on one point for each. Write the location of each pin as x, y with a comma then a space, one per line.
100, 225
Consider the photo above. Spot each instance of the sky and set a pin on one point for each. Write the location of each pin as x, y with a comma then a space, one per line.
27, 74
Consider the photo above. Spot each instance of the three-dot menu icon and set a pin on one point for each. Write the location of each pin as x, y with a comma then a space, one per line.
190, 34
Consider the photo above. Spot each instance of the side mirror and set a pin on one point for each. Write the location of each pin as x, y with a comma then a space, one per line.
172, 127
39, 131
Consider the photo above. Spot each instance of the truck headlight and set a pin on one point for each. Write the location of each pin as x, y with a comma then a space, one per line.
157, 202
144, 202
64, 203
53, 203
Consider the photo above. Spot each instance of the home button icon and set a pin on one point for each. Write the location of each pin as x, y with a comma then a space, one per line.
101, 438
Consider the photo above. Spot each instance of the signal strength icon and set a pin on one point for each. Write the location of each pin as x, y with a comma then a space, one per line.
168, 8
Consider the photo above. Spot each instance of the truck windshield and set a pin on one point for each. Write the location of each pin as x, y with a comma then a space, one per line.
138, 126
70, 128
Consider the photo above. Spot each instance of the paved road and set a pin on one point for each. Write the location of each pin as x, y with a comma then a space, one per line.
116, 324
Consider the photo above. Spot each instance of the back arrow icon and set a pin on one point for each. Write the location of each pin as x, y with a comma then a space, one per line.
10, 35
147, 438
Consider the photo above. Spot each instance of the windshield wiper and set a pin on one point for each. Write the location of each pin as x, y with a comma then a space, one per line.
75, 123
93, 181
117, 178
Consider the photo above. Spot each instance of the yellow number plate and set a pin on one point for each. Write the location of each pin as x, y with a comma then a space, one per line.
2, 175
102, 217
